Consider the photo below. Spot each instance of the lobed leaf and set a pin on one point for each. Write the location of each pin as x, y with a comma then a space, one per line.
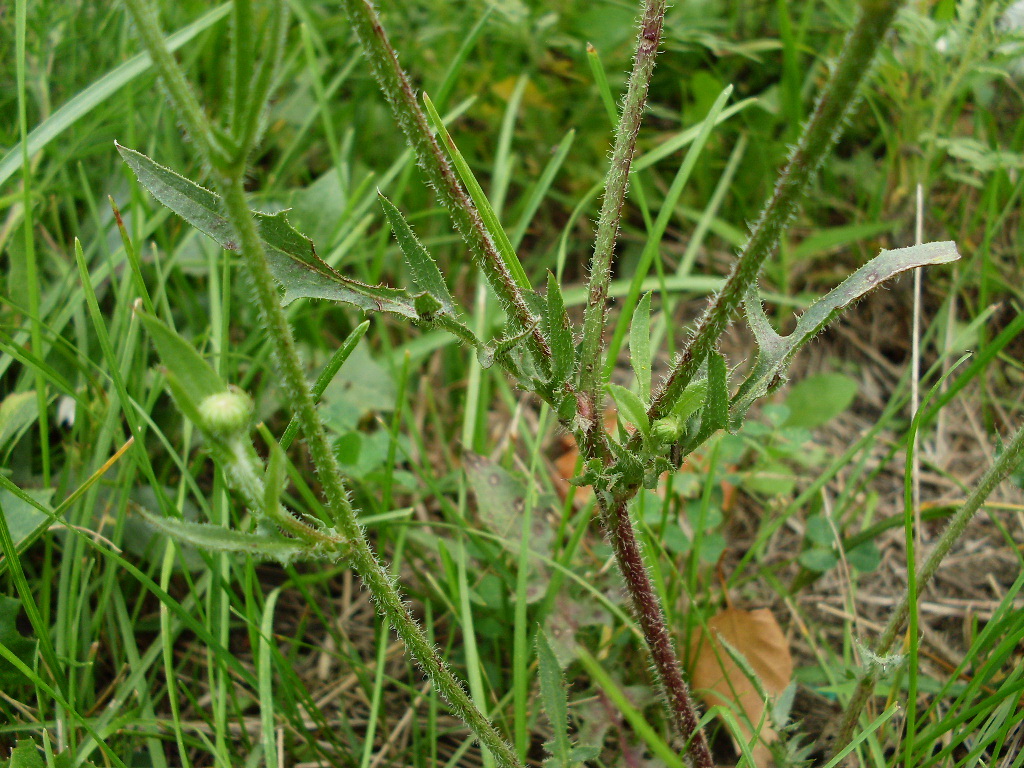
775, 351
292, 257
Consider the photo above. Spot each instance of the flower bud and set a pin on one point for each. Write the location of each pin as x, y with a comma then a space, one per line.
226, 413
667, 430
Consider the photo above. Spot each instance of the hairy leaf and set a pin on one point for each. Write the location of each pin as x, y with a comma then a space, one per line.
775, 351
632, 407
558, 332
293, 259
640, 346
424, 269
218, 539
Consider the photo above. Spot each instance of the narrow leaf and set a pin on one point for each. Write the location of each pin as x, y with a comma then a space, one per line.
558, 333
483, 205
190, 378
293, 259
640, 346
632, 407
775, 351
424, 269
218, 539
715, 415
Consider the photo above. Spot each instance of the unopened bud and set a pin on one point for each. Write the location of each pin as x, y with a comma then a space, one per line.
667, 430
226, 413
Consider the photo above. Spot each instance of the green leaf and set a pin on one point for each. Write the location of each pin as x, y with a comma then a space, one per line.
22, 647
640, 346
819, 531
865, 558
483, 205
217, 539
775, 351
818, 399
17, 411
425, 273
632, 407
558, 333
24, 521
292, 257
715, 415
691, 400
818, 559
189, 377
556, 705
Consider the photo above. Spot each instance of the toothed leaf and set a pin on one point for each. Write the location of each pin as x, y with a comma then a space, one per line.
775, 351
425, 273
559, 335
291, 255
640, 346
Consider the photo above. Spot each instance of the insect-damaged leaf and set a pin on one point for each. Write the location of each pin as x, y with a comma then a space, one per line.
740, 662
293, 259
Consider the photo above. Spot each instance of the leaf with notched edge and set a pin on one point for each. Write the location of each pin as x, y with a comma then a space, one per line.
292, 257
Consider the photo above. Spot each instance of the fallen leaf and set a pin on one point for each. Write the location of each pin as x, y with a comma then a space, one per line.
719, 680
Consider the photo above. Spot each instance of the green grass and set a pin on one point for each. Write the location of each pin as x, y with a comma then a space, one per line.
150, 653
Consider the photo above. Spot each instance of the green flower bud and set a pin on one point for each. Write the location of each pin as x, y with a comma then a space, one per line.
226, 413
667, 430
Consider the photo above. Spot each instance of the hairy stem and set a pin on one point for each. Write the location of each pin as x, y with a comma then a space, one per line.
615, 186
815, 144
647, 607
382, 588
1007, 461
405, 108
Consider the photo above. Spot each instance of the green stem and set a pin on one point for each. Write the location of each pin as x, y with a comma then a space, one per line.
815, 144
189, 111
301, 403
615, 186
364, 561
405, 107
1007, 461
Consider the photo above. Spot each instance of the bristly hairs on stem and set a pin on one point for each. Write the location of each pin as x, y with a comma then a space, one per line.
405, 108
1005, 463
814, 146
229, 173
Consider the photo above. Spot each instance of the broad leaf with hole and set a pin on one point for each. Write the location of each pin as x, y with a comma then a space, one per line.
775, 352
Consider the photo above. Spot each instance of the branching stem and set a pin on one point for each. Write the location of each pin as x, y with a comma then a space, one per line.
815, 144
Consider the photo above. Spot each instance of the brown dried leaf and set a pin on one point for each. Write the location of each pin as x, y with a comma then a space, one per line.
718, 680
